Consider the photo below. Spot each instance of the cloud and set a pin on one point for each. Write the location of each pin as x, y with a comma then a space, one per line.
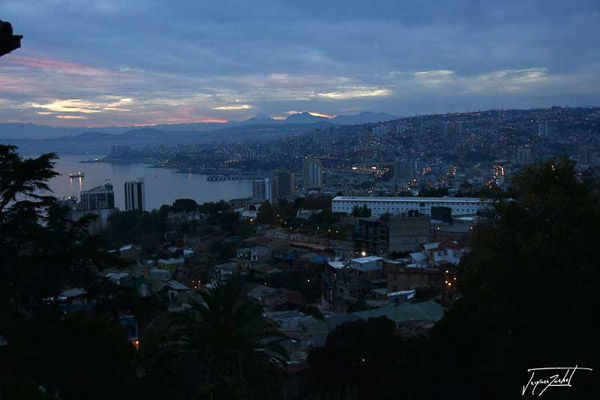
165, 61
234, 107
508, 80
316, 114
69, 105
80, 106
61, 67
434, 78
355, 94
70, 117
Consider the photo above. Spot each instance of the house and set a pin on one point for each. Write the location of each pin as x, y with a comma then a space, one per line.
306, 214
253, 254
259, 292
264, 271
403, 314
402, 276
222, 273
284, 299
174, 289
171, 264
74, 299
419, 259
389, 234
346, 283
445, 252
131, 252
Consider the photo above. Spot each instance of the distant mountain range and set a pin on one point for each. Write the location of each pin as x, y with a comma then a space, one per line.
21, 131
100, 142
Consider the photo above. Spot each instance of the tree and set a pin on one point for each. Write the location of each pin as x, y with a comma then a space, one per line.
43, 249
44, 252
25, 178
529, 290
433, 192
266, 213
87, 357
360, 360
140, 227
363, 211
528, 298
223, 348
359, 305
184, 205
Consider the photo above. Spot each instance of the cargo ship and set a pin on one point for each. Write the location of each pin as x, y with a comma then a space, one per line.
77, 175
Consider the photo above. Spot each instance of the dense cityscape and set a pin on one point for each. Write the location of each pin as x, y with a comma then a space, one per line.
436, 256
448, 152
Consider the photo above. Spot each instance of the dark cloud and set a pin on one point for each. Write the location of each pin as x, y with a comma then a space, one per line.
196, 60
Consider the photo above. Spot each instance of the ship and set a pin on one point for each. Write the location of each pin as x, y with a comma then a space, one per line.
77, 175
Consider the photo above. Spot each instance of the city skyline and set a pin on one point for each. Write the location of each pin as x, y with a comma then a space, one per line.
108, 63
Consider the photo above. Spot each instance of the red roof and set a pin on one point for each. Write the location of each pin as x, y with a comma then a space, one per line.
450, 245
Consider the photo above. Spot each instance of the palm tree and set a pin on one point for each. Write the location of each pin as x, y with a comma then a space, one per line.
223, 348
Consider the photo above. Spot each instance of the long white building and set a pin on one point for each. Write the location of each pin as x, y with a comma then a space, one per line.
401, 205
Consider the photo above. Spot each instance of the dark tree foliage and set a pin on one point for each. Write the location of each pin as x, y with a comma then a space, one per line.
86, 357
360, 360
363, 211
306, 280
325, 217
364, 185
222, 348
529, 291
528, 298
359, 305
433, 192
24, 177
317, 203
128, 227
43, 249
43, 252
184, 205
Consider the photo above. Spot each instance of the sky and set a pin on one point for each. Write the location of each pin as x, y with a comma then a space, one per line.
141, 62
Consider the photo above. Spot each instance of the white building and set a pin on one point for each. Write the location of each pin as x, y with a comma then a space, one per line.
402, 205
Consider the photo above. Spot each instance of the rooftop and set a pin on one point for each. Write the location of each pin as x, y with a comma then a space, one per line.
364, 260
412, 199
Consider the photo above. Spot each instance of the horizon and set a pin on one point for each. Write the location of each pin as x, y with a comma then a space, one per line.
331, 117
165, 63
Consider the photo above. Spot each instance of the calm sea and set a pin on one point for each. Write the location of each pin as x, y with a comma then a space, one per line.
163, 186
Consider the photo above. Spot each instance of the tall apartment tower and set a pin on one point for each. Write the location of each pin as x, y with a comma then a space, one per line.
266, 189
544, 129
259, 190
99, 201
585, 155
524, 155
312, 174
323, 138
135, 195
98, 198
286, 184
404, 170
